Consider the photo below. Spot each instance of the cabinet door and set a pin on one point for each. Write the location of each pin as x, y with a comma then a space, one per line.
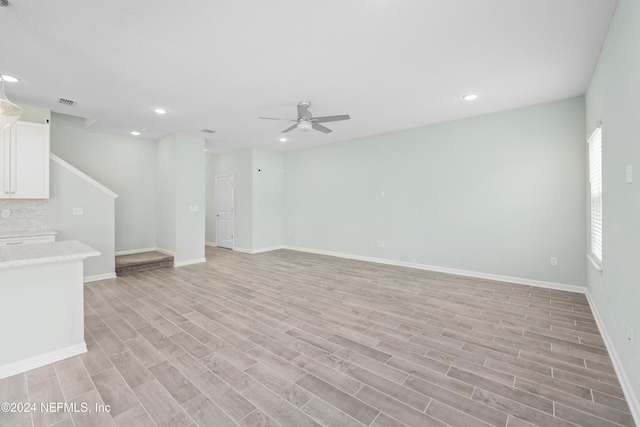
30, 165
5, 164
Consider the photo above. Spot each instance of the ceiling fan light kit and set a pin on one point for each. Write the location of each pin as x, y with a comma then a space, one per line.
304, 126
305, 121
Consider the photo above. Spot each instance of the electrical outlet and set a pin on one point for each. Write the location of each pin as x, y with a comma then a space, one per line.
78, 211
194, 209
6, 213
553, 261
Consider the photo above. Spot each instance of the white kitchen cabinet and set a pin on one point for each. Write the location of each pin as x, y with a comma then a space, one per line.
24, 161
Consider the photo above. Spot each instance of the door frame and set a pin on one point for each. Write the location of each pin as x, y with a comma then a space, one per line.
233, 210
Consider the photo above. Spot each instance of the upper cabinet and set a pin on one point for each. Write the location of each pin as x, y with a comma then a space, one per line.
24, 161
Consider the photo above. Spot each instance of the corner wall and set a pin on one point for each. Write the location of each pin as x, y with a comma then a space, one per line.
238, 164
498, 194
96, 227
126, 165
181, 198
613, 98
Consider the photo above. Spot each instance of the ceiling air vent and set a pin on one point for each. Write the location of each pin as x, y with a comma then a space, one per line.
208, 131
67, 102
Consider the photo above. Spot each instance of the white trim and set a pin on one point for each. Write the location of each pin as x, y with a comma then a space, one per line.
210, 244
269, 249
625, 382
467, 273
259, 250
164, 251
97, 277
190, 262
24, 365
243, 250
136, 251
595, 262
139, 251
82, 175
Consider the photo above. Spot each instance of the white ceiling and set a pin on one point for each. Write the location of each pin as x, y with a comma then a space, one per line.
219, 64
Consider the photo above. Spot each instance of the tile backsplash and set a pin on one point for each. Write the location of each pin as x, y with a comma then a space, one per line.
24, 215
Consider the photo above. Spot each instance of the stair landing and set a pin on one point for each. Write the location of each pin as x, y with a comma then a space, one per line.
134, 263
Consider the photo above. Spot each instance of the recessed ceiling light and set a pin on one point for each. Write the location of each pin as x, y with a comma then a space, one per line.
10, 79
283, 139
470, 97
135, 133
160, 111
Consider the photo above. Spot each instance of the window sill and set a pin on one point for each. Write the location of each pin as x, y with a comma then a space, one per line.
596, 263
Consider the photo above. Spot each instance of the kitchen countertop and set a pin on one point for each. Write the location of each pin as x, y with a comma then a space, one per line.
41, 253
15, 234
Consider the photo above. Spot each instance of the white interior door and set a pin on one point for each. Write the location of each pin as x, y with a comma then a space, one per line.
224, 211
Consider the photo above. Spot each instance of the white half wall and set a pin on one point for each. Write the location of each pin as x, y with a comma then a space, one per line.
70, 189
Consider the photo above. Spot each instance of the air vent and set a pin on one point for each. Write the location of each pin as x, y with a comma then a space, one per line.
66, 102
208, 131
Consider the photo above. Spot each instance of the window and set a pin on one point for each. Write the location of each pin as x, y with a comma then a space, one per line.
595, 179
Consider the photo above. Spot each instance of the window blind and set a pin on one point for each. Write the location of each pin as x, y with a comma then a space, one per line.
595, 179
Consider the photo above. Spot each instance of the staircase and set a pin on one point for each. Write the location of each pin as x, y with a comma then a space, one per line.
135, 263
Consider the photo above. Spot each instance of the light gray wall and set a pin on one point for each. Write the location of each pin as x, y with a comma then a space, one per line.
613, 98
189, 162
165, 209
497, 194
267, 199
126, 165
96, 227
239, 164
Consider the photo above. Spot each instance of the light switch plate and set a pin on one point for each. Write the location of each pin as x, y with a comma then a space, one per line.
628, 174
194, 208
6, 213
78, 211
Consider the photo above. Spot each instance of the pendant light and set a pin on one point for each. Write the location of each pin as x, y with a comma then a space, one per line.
9, 112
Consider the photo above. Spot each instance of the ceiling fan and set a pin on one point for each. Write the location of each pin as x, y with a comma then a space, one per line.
306, 121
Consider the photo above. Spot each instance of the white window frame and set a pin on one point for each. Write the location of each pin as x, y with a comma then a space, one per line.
595, 197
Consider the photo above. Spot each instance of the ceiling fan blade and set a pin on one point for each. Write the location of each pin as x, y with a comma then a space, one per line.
321, 128
331, 118
303, 111
275, 118
290, 128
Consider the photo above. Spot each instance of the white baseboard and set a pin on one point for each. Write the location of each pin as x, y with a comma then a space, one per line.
97, 277
259, 250
625, 382
164, 251
14, 368
466, 273
189, 262
139, 251
269, 249
135, 251
210, 244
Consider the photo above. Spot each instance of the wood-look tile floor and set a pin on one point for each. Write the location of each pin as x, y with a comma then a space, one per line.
294, 339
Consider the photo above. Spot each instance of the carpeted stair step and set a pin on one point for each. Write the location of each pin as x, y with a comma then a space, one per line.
135, 263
